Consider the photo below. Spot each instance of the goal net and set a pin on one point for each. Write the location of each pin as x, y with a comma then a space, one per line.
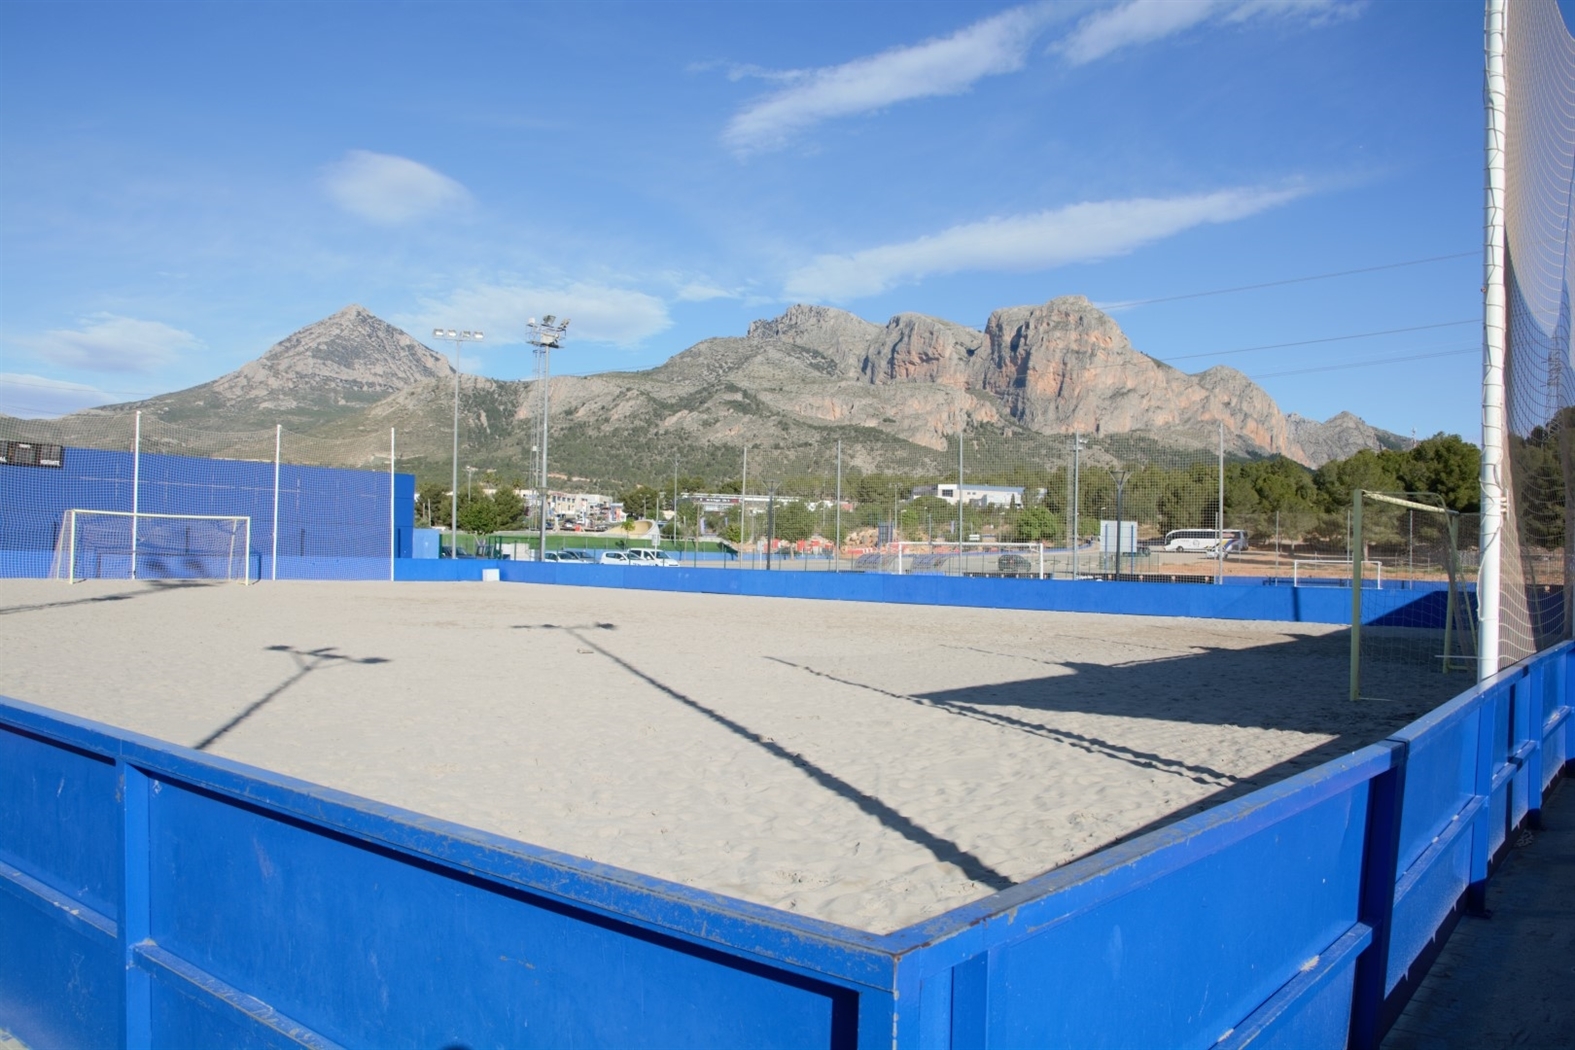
1412, 608
120, 545
1528, 463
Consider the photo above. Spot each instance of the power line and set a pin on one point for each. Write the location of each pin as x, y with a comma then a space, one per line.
1368, 364
1326, 339
1288, 280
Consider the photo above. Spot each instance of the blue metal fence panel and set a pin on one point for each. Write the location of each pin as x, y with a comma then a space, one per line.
326, 515
150, 895
1291, 604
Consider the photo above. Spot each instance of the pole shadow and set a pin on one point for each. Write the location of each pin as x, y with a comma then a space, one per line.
306, 661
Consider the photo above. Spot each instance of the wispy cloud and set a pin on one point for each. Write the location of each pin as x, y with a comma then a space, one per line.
1139, 22
390, 190
601, 314
37, 397
942, 66
1076, 233
994, 46
110, 343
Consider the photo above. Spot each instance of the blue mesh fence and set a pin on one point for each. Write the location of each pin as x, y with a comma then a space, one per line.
292, 520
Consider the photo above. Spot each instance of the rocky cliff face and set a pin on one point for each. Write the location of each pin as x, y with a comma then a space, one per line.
1337, 437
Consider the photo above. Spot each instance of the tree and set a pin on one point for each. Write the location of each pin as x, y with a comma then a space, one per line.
1034, 524
642, 501
794, 521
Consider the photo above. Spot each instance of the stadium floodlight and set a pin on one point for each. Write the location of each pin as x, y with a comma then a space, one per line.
545, 337
1120, 477
456, 337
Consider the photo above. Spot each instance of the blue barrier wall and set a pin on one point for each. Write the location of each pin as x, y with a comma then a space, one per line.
151, 895
1417, 608
325, 513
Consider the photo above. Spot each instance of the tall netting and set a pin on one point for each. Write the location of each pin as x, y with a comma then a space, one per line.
170, 499
1535, 93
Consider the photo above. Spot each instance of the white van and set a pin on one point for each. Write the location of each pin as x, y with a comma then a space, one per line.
1205, 540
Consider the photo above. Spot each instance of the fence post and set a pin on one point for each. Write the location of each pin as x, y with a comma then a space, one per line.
133, 925
1375, 905
278, 444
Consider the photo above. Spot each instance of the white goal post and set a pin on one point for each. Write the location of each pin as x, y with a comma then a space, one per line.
120, 544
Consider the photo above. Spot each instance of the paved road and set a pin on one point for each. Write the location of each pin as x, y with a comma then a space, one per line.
1508, 980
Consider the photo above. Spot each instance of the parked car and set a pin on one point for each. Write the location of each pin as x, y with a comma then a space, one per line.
614, 557
1014, 563
563, 557
648, 556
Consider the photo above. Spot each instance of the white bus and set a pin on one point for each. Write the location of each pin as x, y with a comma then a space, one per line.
1205, 540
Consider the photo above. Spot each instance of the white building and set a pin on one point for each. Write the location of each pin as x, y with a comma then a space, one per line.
975, 495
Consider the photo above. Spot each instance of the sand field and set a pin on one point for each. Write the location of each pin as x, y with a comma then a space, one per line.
867, 764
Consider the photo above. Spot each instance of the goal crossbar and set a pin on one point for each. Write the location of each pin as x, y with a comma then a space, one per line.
66, 543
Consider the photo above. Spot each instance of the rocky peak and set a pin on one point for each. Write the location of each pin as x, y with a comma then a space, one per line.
841, 336
350, 351
914, 348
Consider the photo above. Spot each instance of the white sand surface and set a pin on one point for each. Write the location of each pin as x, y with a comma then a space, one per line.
867, 764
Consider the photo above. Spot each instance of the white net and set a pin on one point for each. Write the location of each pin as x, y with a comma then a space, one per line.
102, 544
1539, 384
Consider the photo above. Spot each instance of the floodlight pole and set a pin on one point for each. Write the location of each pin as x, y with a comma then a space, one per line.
1077, 447
456, 337
544, 336
1120, 477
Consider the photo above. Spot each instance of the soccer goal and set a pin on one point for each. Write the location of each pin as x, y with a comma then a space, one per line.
1433, 628
120, 545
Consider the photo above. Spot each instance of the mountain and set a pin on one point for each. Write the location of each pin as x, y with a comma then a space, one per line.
896, 397
342, 363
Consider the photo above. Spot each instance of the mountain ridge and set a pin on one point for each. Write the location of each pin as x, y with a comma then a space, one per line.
896, 394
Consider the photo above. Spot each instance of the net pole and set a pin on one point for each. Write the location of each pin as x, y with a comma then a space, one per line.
838, 558
960, 536
71, 560
1219, 517
1494, 331
1077, 448
1356, 594
273, 559
393, 534
136, 487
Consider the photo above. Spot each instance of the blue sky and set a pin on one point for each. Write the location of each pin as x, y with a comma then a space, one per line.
181, 185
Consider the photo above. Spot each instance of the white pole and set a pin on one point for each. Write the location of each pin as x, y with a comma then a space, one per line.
278, 442
838, 537
743, 490
1494, 344
136, 488
393, 534
1077, 446
71, 559
1219, 517
453, 500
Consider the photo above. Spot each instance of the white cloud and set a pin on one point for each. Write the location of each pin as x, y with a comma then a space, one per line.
942, 66
1145, 21
37, 397
109, 343
1076, 233
700, 292
390, 190
601, 314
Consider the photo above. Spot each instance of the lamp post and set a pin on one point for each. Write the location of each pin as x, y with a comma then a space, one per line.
545, 335
1120, 477
470, 477
456, 337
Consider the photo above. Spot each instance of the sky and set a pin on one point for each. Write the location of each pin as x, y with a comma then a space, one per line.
184, 184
